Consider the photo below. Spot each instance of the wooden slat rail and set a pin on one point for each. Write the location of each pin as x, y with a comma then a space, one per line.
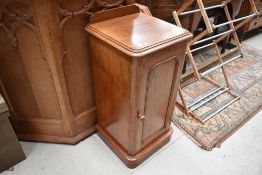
200, 38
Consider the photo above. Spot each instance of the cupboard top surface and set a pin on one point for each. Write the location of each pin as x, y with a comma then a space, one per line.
137, 33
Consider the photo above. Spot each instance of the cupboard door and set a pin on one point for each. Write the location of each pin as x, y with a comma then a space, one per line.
24, 67
158, 90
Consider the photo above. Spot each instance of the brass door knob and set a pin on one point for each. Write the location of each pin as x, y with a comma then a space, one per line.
141, 116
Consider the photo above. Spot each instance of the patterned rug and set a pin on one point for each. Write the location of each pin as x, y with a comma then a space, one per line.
245, 77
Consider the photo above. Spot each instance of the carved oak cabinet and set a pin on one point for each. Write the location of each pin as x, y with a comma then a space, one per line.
137, 62
45, 73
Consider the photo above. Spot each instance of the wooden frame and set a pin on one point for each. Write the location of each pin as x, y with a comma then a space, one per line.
217, 38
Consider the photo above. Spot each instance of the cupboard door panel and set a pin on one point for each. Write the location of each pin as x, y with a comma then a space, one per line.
22, 50
38, 71
158, 89
76, 64
12, 67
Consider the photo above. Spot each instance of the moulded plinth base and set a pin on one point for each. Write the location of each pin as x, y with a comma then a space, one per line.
130, 160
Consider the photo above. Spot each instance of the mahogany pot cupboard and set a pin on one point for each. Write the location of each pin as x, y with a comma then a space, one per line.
45, 73
137, 62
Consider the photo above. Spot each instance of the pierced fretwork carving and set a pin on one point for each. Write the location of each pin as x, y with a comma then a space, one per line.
66, 14
106, 6
9, 21
88, 9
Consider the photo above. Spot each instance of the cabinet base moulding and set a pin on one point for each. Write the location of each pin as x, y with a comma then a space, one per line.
133, 161
57, 139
